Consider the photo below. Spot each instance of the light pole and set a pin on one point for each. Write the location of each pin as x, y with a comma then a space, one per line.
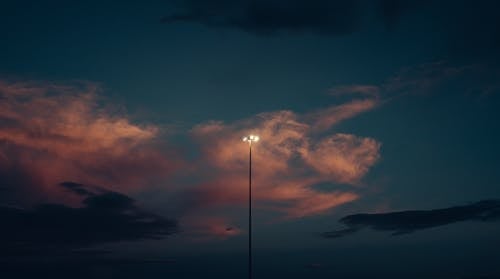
250, 139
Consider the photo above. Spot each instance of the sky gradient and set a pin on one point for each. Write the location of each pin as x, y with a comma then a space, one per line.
121, 126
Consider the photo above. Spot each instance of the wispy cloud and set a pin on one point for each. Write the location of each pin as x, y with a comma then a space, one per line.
424, 78
326, 118
353, 89
437, 77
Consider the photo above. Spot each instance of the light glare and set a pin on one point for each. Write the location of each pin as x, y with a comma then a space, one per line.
251, 138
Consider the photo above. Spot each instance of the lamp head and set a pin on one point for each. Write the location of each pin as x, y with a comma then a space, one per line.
251, 138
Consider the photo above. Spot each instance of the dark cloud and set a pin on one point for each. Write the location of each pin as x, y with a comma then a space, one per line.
404, 222
391, 11
104, 217
470, 30
473, 29
77, 188
268, 17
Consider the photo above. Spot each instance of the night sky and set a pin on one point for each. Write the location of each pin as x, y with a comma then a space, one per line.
121, 152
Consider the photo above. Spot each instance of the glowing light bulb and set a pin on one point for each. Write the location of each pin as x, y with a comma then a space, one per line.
251, 138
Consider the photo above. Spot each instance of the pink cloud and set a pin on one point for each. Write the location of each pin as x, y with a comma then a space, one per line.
352, 157
326, 118
289, 160
53, 133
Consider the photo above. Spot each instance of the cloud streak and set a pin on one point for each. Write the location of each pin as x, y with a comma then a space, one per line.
425, 79
361, 89
404, 222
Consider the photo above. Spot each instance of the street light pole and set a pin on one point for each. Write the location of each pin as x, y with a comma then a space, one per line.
250, 139
250, 213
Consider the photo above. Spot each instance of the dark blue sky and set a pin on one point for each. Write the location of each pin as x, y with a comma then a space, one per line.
129, 116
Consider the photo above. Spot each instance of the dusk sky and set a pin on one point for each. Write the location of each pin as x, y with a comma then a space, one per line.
121, 152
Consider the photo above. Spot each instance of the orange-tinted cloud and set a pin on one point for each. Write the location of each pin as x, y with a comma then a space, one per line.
55, 132
326, 118
291, 158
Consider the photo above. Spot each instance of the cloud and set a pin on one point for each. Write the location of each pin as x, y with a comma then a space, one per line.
295, 152
442, 77
472, 31
208, 228
326, 118
469, 28
66, 127
103, 217
271, 17
437, 77
421, 79
54, 132
425, 78
391, 11
404, 222
353, 89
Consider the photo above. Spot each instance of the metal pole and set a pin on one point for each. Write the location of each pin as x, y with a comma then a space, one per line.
250, 214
